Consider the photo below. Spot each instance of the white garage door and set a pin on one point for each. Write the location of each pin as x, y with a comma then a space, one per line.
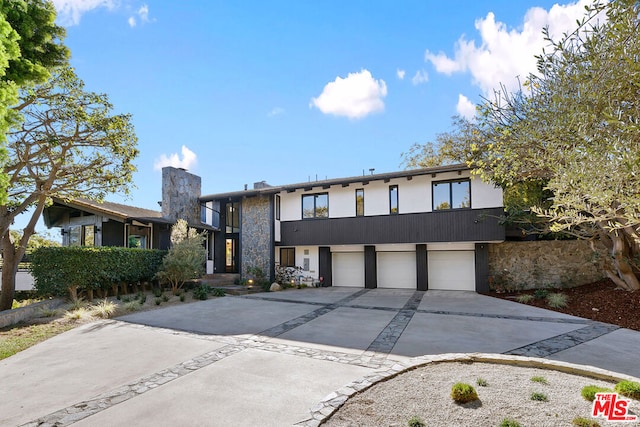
452, 270
397, 270
348, 269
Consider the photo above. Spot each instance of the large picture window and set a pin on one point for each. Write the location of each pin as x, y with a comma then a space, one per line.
315, 205
233, 218
451, 195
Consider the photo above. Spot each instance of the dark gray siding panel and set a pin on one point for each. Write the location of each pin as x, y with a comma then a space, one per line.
444, 226
482, 267
421, 267
370, 268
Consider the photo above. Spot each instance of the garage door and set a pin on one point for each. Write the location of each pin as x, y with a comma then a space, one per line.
397, 270
348, 269
452, 270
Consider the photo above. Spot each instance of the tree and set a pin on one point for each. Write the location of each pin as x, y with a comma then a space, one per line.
574, 126
186, 257
70, 145
30, 47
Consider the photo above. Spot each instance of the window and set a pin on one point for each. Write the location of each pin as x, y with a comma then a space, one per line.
89, 235
287, 257
75, 235
360, 202
451, 195
393, 199
233, 218
277, 207
82, 235
315, 205
203, 213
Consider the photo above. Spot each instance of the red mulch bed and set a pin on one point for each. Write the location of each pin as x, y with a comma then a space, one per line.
597, 301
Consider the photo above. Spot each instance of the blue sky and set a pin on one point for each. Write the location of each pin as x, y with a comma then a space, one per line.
284, 91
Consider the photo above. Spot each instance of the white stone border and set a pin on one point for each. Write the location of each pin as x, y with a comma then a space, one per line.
332, 402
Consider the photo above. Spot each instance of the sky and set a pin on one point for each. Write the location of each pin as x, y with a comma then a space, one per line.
289, 91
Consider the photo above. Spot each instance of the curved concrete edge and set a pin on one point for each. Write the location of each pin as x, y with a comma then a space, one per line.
16, 315
333, 401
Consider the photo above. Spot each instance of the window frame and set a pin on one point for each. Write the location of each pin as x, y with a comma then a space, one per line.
397, 199
449, 182
315, 206
277, 203
358, 211
290, 251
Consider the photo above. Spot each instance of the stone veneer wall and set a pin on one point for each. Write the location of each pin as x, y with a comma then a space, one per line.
180, 193
256, 235
535, 264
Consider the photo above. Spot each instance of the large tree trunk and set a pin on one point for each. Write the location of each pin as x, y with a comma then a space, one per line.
620, 268
9, 270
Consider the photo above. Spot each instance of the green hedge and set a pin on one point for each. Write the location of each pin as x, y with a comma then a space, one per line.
59, 270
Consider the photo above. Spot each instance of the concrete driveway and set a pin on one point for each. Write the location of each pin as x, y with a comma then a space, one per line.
266, 359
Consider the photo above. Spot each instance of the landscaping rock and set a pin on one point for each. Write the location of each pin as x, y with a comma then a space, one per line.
275, 287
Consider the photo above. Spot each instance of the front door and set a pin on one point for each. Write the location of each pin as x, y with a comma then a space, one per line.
231, 255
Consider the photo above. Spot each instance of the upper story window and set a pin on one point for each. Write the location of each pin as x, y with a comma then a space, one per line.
393, 199
203, 213
360, 202
451, 195
315, 205
277, 207
232, 218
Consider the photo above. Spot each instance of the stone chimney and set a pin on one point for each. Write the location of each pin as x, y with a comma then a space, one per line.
180, 195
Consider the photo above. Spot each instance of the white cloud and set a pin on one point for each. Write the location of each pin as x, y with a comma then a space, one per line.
465, 107
132, 21
355, 96
143, 15
70, 11
420, 77
505, 54
400, 73
189, 160
275, 112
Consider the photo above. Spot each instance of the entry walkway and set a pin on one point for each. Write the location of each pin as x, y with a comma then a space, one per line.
266, 359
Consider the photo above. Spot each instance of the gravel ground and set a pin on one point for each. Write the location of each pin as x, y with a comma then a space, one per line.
424, 392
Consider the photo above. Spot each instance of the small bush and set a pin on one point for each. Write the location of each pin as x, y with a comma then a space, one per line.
126, 299
463, 393
523, 299
416, 422
49, 312
628, 389
157, 292
158, 301
557, 300
539, 380
540, 293
182, 297
132, 306
165, 298
509, 422
539, 397
217, 292
481, 382
589, 391
105, 309
78, 314
584, 422
201, 292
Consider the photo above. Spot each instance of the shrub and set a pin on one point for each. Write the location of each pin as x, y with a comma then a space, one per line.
509, 422
201, 292
539, 380
630, 389
463, 393
182, 297
104, 309
157, 292
286, 275
416, 422
584, 422
81, 313
589, 391
481, 382
186, 259
217, 292
557, 300
525, 298
132, 306
158, 301
49, 312
540, 293
164, 298
539, 397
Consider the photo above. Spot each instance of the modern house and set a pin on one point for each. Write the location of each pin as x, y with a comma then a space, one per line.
416, 229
